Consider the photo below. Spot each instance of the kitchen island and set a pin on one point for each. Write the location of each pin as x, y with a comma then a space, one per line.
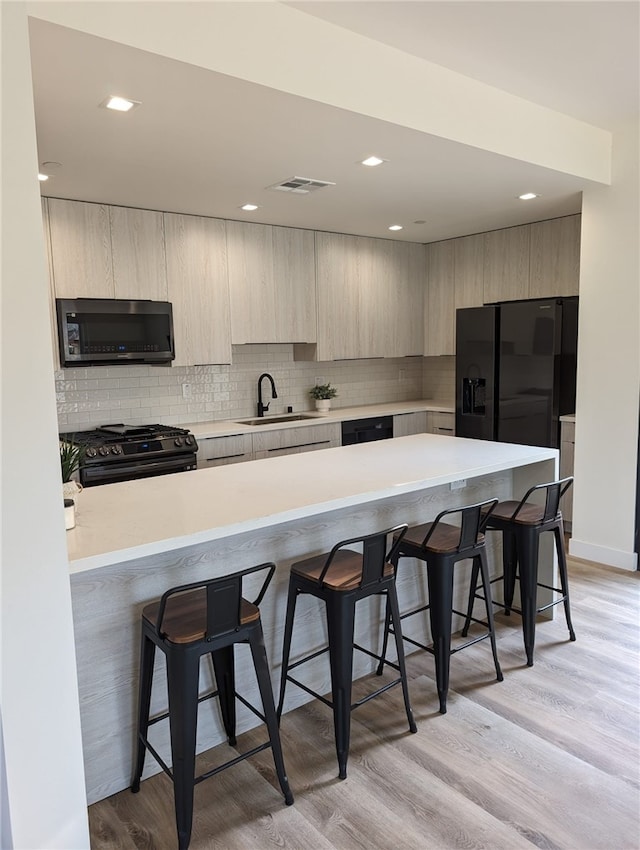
135, 539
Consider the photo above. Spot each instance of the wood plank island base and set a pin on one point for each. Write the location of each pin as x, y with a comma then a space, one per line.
135, 539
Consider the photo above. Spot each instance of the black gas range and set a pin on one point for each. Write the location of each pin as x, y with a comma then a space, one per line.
125, 452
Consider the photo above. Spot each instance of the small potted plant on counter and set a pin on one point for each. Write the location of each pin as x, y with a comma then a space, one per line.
70, 458
323, 393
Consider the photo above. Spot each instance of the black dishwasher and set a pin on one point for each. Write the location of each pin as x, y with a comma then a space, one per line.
367, 430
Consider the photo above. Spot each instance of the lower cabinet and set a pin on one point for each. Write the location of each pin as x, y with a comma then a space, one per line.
219, 451
235, 448
290, 441
441, 423
567, 443
405, 424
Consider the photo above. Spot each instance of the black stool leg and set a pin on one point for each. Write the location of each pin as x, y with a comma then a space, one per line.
340, 627
473, 591
393, 612
183, 670
286, 646
510, 567
528, 545
385, 639
147, 656
564, 578
440, 581
259, 653
481, 560
224, 670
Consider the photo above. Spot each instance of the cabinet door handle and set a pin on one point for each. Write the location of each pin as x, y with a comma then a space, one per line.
300, 446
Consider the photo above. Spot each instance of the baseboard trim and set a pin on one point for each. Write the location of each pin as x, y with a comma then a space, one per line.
603, 555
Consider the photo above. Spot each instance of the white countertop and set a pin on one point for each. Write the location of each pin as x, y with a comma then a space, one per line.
134, 519
569, 417
227, 427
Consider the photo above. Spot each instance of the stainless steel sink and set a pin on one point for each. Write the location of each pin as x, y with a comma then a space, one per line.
269, 420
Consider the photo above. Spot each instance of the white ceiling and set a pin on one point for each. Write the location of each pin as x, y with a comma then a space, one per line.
218, 142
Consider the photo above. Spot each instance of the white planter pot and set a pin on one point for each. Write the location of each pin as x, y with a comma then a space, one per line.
70, 489
323, 405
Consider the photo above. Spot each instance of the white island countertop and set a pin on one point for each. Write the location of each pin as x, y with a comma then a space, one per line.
134, 519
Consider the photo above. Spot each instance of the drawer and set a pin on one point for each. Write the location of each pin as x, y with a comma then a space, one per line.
443, 423
294, 440
567, 432
218, 451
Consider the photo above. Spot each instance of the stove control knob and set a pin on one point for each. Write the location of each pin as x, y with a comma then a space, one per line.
188, 441
91, 452
103, 450
116, 450
178, 441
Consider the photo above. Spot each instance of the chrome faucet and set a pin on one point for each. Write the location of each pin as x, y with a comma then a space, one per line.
262, 408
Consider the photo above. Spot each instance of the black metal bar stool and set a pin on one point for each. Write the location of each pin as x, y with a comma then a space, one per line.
521, 524
190, 621
441, 545
340, 579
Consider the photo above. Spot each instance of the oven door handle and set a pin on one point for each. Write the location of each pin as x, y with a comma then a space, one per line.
103, 474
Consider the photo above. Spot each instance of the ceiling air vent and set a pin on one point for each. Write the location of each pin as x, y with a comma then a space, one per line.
300, 185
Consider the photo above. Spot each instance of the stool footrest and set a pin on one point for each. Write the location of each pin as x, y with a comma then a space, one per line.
169, 771
329, 703
309, 691
231, 762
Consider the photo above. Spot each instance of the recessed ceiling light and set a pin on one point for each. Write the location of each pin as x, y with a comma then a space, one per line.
372, 161
396, 227
249, 207
43, 177
120, 104
528, 196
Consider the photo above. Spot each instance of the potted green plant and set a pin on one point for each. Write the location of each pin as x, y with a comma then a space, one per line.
70, 459
323, 393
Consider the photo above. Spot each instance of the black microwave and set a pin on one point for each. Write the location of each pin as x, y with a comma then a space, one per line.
107, 331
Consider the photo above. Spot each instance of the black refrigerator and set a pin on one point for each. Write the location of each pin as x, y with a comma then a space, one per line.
516, 370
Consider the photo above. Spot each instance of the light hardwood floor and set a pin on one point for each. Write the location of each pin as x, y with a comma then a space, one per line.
549, 758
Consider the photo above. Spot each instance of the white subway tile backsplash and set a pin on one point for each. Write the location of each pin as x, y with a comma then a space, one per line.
142, 395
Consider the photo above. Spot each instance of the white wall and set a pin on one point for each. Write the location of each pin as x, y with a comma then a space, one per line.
609, 363
43, 803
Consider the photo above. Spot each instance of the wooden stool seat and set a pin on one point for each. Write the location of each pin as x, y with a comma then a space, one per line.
443, 538
185, 616
344, 573
527, 515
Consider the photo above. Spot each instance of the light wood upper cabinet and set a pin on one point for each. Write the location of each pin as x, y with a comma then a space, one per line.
271, 283
368, 292
407, 316
294, 279
339, 275
555, 257
80, 249
506, 264
440, 309
469, 270
198, 288
137, 244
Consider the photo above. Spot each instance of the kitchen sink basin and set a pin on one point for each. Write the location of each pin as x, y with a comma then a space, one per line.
269, 420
